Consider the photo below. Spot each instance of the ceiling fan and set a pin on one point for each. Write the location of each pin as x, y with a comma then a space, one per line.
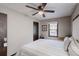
40, 9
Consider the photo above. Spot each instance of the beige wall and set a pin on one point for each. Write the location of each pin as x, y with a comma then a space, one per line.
19, 29
64, 26
75, 24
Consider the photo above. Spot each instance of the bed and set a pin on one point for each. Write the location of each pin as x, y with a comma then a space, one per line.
44, 47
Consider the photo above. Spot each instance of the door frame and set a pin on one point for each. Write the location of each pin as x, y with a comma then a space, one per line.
38, 29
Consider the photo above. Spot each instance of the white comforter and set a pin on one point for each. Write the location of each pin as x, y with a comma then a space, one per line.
43, 47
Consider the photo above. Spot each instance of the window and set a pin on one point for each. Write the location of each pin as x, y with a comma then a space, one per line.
53, 29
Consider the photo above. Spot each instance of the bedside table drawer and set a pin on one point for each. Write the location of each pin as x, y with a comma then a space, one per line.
3, 51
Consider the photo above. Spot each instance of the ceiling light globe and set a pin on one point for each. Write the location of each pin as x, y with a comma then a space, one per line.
41, 12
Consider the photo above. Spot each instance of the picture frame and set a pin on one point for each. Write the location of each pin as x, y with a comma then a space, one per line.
76, 17
44, 27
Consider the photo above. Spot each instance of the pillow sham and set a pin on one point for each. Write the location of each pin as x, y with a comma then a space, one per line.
71, 38
67, 41
73, 49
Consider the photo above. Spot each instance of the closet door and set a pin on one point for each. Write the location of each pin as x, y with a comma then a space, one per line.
35, 30
3, 34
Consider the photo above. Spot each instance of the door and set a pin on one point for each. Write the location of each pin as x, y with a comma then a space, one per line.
35, 31
3, 34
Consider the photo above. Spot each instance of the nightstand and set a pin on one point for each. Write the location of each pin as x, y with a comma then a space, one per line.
3, 51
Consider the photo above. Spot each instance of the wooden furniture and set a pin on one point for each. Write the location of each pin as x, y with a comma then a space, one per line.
76, 17
3, 34
61, 38
3, 51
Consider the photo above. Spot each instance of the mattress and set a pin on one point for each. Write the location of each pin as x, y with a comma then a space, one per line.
44, 47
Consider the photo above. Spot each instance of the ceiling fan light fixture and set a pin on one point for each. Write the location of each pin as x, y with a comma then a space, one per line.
40, 9
41, 12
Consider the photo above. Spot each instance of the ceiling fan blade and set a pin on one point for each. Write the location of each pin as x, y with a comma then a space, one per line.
34, 13
44, 4
43, 15
31, 7
51, 11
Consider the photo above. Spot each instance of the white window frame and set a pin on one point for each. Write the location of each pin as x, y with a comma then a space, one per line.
52, 29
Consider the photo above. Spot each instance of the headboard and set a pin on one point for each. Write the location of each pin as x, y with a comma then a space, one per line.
75, 27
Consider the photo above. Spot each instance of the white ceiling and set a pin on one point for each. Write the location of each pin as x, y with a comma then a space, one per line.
61, 9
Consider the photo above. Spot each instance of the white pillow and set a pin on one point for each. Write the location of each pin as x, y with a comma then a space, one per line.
71, 38
73, 49
66, 43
